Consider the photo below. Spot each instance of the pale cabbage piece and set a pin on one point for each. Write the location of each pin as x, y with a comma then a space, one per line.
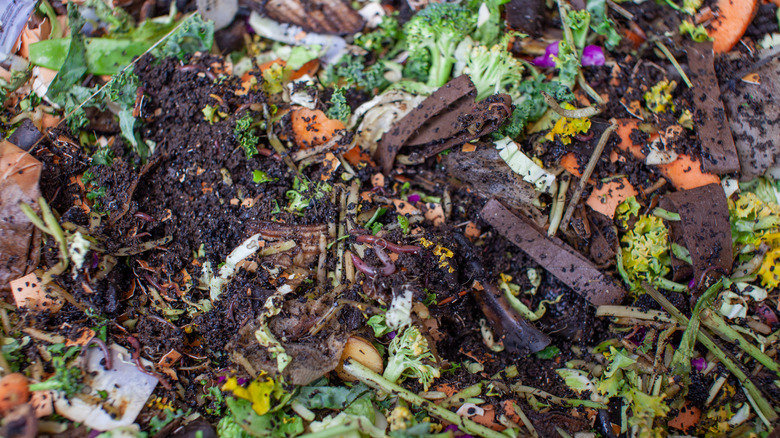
378, 116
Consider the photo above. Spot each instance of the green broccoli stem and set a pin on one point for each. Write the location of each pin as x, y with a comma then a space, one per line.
378, 382
667, 284
395, 368
760, 403
681, 361
48, 385
715, 323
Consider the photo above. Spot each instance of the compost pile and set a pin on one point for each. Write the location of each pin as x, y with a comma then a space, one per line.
325, 218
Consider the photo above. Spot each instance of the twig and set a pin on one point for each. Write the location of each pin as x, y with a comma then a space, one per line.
588, 89
572, 114
620, 10
594, 158
761, 404
674, 62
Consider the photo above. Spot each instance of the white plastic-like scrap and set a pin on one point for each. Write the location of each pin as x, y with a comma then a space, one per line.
524, 166
126, 387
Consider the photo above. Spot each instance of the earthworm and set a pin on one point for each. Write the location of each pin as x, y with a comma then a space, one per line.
197, 68
708, 271
584, 137
400, 249
136, 355
144, 216
388, 267
107, 365
363, 266
501, 104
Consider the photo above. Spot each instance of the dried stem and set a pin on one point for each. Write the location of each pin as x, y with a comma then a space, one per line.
594, 158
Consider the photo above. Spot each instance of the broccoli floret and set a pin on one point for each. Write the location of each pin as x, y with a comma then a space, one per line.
245, 135
339, 109
352, 71
66, 378
386, 37
438, 29
417, 66
408, 353
493, 70
489, 23
529, 104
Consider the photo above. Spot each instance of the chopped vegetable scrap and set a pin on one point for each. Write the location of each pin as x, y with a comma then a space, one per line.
389, 218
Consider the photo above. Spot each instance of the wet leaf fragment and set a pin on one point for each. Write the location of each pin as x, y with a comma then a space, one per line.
447, 118
703, 226
19, 239
719, 154
555, 256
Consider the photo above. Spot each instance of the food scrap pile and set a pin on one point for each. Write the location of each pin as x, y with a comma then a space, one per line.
396, 218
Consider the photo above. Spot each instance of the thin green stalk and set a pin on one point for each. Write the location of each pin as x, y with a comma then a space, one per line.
666, 214
378, 382
633, 312
674, 62
461, 396
761, 403
522, 389
667, 284
50, 226
724, 330
526, 421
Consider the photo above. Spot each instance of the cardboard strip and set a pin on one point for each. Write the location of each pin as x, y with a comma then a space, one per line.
719, 154
555, 256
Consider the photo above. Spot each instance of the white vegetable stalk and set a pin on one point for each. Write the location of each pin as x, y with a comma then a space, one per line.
217, 284
524, 166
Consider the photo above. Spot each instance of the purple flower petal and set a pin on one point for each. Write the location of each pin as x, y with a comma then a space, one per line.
593, 55
414, 198
548, 60
699, 363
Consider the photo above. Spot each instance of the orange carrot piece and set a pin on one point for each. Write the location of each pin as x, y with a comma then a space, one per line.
685, 173
268, 64
569, 162
624, 129
605, 199
310, 68
312, 128
14, 391
687, 418
734, 16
